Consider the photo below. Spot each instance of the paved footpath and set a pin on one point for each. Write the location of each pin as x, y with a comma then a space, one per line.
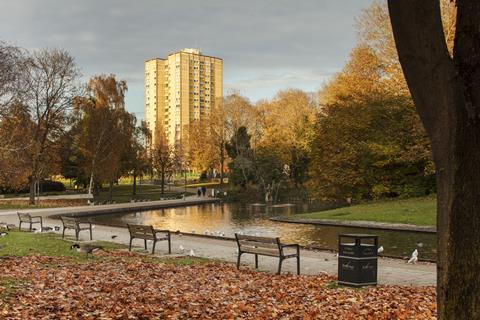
113, 208
391, 271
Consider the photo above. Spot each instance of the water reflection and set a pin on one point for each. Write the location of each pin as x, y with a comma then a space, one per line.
231, 218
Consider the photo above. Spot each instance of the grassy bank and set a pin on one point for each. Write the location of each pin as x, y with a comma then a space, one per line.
22, 243
416, 211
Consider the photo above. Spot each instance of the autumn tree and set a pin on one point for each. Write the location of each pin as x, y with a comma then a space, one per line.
137, 159
242, 165
446, 92
163, 156
287, 129
12, 72
50, 84
15, 133
107, 129
360, 107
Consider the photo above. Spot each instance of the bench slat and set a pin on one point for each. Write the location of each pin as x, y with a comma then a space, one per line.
258, 239
252, 243
261, 251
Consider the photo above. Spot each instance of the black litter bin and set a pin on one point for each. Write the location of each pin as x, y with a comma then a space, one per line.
357, 259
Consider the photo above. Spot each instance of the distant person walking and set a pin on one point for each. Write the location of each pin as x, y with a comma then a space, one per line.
199, 192
204, 191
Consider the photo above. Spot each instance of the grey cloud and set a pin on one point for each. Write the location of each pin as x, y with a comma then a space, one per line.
282, 42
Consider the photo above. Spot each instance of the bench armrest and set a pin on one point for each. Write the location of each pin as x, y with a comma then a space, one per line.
296, 245
36, 217
79, 223
161, 231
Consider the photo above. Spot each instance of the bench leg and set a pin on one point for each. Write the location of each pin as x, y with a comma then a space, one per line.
41, 225
169, 246
91, 238
76, 234
298, 264
130, 245
256, 261
30, 229
145, 243
153, 248
63, 233
238, 260
20, 226
280, 266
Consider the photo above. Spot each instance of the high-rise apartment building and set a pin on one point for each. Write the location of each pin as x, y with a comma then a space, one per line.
181, 89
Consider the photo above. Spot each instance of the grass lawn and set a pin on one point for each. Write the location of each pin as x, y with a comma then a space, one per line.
417, 211
22, 243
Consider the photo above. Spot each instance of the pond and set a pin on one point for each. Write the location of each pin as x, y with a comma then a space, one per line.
229, 218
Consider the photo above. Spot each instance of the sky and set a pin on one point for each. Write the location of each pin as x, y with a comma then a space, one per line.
266, 45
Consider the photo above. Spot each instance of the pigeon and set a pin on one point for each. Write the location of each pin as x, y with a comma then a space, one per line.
47, 229
222, 234
181, 248
85, 248
57, 228
207, 232
114, 236
414, 257
37, 230
3, 234
380, 250
192, 253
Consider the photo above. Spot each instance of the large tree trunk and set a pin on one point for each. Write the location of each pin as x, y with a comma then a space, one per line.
446, 93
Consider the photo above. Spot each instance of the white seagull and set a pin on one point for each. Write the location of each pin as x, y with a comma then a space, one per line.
181, 248
414, 257
192, 253
380, 250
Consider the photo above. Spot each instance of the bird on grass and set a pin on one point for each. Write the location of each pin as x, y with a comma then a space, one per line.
380, 250
414, 257
3, 234
114, 236
85, 248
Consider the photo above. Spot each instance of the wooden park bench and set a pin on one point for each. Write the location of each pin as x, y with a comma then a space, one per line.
266, 247
27, 218
77, 225
148, 233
